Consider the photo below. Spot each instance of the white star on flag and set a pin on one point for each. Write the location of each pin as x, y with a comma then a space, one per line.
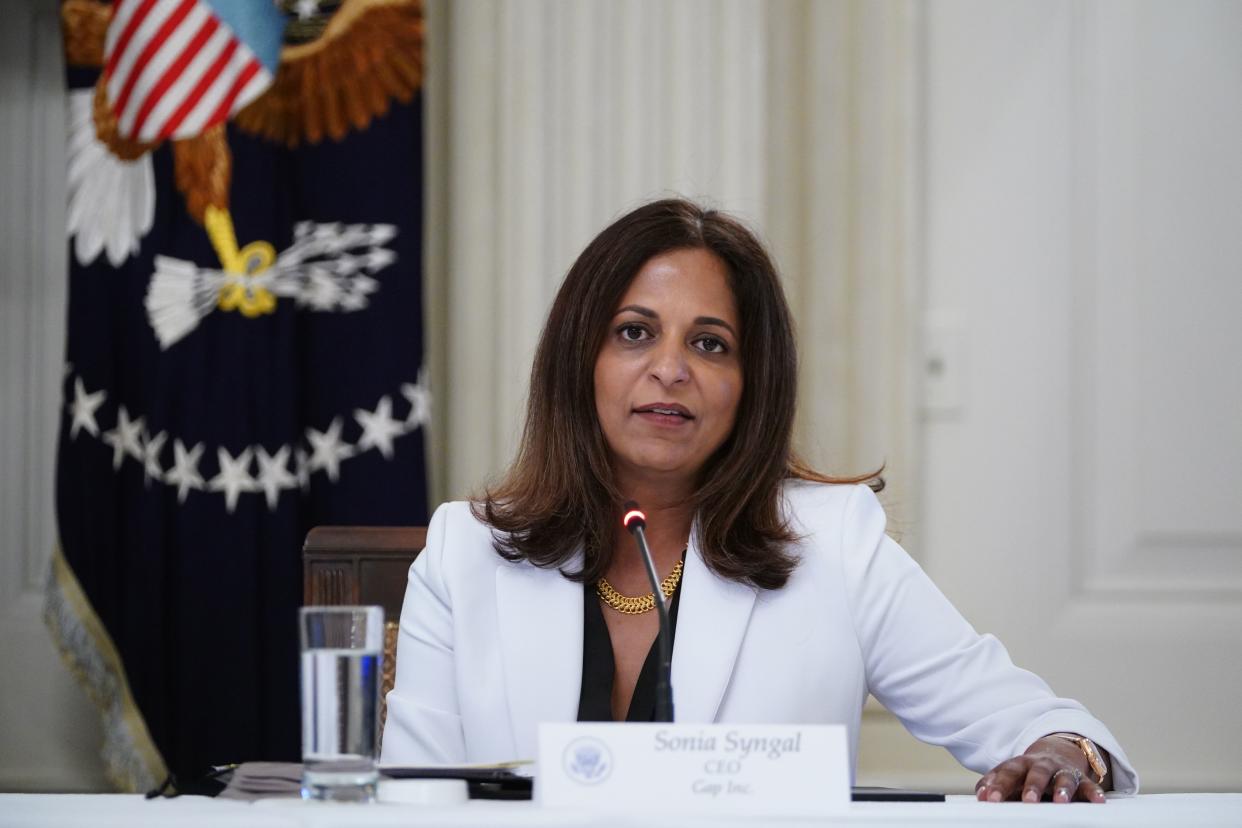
420, 401
327, 450
274, 474
379, 429
184, 473
151, 448
301, 466
83, 407
125, 438
234, 477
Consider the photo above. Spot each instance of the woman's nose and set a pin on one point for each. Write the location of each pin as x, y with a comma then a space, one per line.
668, 365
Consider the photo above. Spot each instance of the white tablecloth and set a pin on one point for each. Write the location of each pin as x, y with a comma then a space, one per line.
115, 811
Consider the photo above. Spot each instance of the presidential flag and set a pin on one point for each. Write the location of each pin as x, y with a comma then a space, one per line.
244, 350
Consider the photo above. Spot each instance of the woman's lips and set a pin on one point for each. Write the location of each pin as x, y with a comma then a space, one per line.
664, 414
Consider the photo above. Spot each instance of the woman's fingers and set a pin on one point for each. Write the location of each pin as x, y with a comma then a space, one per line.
1089, 791
1030, 781
984, 785
1065, 783
1037, 779
1037, 775
1002, 781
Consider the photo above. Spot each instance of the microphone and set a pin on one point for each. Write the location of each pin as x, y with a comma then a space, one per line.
635, 521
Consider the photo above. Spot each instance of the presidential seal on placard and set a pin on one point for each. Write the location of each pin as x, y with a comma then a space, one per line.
587, 761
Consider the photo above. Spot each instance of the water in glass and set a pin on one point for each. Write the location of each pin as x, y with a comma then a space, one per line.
340, 700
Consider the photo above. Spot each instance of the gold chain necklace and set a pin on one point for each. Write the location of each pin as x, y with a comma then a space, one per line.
638, 604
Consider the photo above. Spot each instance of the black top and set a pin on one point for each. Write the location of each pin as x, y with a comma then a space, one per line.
599, 667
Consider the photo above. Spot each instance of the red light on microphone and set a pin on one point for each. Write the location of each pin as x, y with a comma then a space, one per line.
634, 517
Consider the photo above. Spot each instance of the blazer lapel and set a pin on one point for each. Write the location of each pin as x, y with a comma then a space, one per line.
711, 622
540, 613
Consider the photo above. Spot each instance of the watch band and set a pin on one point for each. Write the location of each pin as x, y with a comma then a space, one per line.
1094, 758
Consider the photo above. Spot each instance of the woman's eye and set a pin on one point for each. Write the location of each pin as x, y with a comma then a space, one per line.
712, 345
633, 333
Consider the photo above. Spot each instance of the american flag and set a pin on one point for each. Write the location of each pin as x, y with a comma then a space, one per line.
173, 68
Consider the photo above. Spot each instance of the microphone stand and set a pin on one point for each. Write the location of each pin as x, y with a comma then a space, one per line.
636, 522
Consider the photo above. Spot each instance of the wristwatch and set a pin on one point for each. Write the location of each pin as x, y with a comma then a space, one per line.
1094, 758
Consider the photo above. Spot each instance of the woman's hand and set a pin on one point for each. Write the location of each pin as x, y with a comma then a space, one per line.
1051, 765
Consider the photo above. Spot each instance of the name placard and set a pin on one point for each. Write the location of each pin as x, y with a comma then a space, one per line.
778, 770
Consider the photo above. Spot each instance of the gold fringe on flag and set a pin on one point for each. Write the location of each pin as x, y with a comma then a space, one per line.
132, 762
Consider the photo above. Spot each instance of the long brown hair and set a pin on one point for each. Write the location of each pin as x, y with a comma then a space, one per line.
559, 493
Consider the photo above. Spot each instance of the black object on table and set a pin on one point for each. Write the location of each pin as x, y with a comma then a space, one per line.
482, 783
860, 793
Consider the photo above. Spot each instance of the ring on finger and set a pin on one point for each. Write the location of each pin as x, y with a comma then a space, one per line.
1074, 772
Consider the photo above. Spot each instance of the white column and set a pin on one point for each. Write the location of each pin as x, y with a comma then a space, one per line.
53, 744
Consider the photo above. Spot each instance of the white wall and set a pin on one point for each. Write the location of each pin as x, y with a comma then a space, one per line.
1083, 234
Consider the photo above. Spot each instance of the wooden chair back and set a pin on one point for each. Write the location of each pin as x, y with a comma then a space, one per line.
343, 565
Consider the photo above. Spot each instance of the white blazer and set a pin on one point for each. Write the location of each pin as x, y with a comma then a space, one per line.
489, 649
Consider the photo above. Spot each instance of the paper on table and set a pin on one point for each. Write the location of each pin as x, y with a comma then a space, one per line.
261, 780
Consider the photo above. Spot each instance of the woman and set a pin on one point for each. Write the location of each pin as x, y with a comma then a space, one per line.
666, 375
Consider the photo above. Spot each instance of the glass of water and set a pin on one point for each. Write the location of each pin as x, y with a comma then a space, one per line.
342, 652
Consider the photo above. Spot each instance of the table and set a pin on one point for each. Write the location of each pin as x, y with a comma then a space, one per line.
117, 810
